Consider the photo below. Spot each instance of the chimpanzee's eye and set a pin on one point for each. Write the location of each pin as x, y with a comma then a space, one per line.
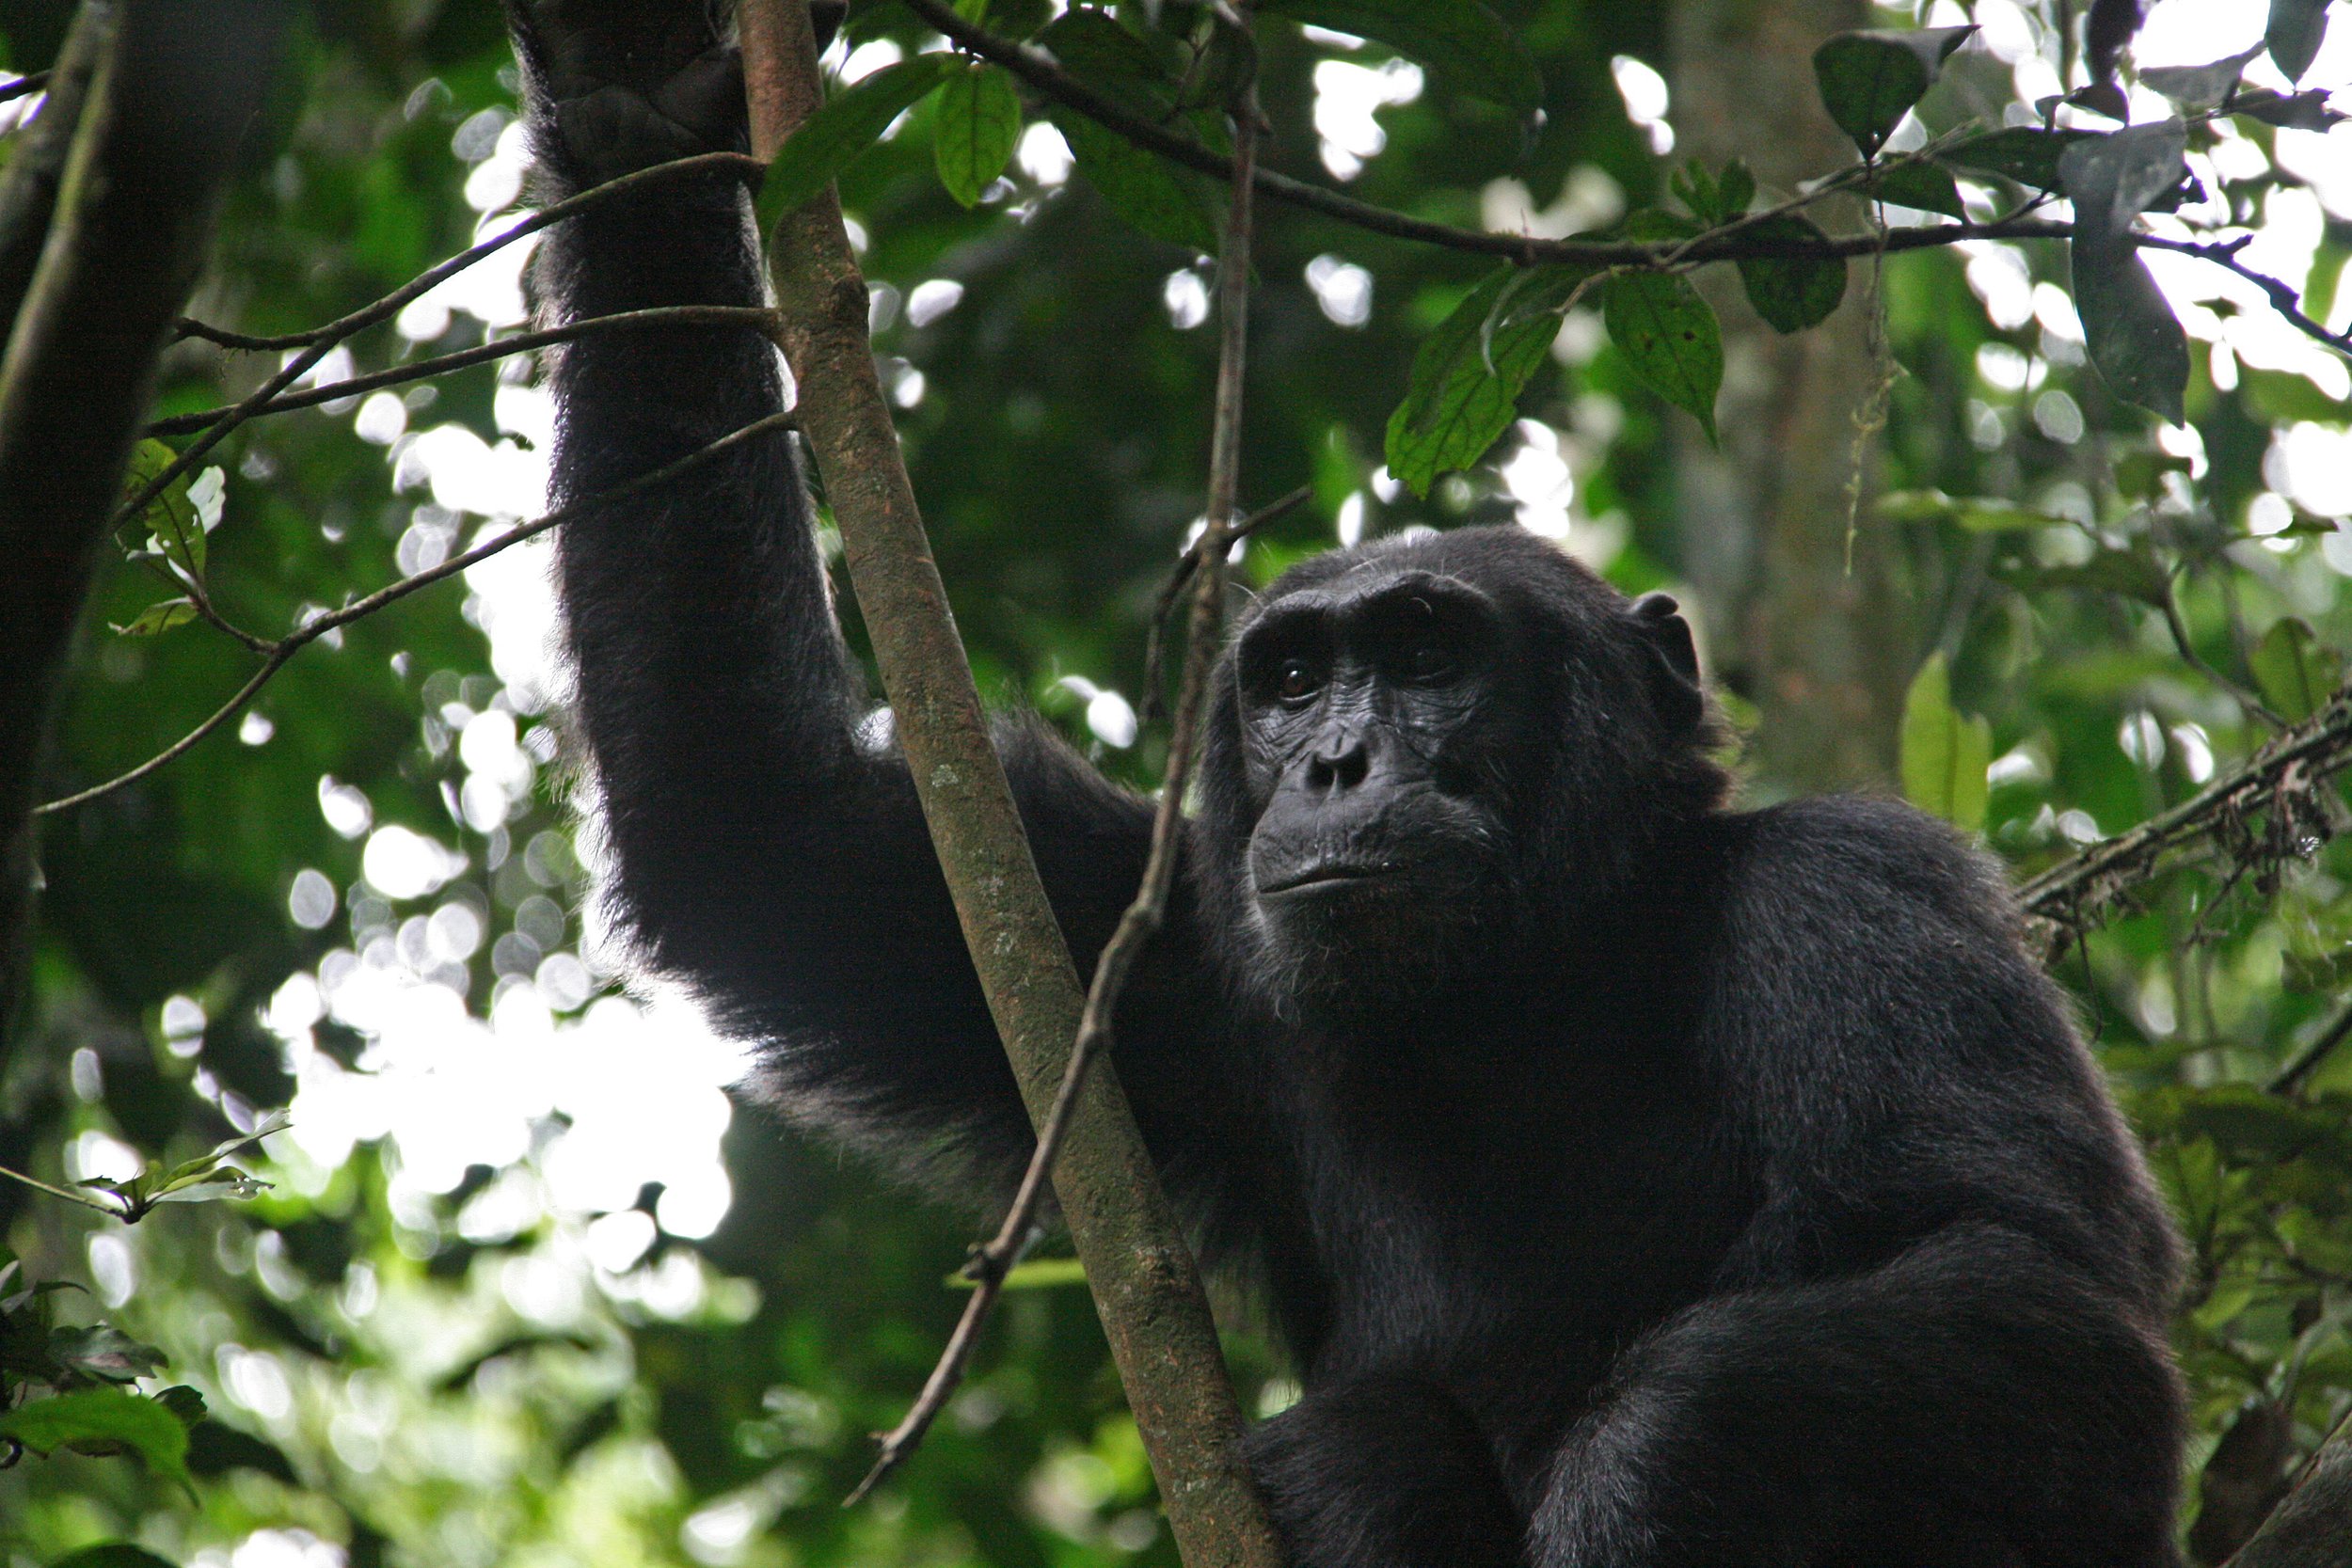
1426, 659
1295, 680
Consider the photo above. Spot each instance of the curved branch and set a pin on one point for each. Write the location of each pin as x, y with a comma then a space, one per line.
274, 655
481, 354
315, 344
2292, 763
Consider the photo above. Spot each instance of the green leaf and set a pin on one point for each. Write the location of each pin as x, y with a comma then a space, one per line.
1975, 514
175, 530
837, 134
159, 618
1144, 189
977, 127
2295, 672
2132, 335
1794, 293
1467, 377
1040, 1274
1870, 80
1926, 187
1010, 19
103, 1421
1094, 47
2111, 180
113, 1554
2133, 574
104, 1352
2199, 86
2298, 111
1466, 43
1735, 191
2315, 974
2293, 35
2022, 152
1668, 335
1945, 754
185, 1402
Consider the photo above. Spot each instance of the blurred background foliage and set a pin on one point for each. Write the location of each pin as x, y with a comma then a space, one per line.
529, 1290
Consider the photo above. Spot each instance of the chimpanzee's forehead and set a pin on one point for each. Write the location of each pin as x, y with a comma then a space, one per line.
1512, 565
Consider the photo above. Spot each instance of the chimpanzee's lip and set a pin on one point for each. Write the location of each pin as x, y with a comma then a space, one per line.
1334, 874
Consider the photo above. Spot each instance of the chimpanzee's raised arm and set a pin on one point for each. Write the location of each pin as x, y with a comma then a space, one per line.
767, 845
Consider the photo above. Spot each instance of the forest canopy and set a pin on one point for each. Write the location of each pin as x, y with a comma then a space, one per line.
1976, 375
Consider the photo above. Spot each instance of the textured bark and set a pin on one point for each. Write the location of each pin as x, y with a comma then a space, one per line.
157, 131
1146, 1287
1822, 651
2313, 1528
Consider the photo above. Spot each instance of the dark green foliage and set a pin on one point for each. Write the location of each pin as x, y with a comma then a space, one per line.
1870, 80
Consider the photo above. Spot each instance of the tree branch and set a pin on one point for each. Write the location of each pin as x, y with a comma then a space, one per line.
1204, 565
316, 342
2312, 1526
2291, 766
28, 187
167, 102
754, 316
274, 655
1153, 1311
2290, 1078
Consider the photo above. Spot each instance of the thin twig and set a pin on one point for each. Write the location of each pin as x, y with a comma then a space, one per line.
2283, 299
2303, 758
2290, 1078
1038, 68
1156, 644
2247, 698
754, 316
314, 344
278, 653
392, 304
991, 1262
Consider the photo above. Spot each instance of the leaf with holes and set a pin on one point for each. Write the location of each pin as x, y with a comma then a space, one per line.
1147, 192
2295, 672
1870, 80
1463, 41
1792, 292
1467, 377
834, 137
1669, 336
175, 529
2021, 152
1945, 752
2294, 34
978, 126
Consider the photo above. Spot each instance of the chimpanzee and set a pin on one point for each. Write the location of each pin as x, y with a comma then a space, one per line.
1634, 1182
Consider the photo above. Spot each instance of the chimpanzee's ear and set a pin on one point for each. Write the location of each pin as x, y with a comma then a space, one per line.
1674, 663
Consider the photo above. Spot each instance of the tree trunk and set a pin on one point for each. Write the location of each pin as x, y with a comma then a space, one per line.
159, 128
1819, 649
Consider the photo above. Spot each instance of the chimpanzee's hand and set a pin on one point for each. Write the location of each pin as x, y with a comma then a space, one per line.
624, 84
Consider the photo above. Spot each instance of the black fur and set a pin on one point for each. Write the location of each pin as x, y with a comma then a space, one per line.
1634, 1182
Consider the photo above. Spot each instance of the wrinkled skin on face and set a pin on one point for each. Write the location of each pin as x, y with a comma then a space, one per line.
1362, 703
1420, 759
